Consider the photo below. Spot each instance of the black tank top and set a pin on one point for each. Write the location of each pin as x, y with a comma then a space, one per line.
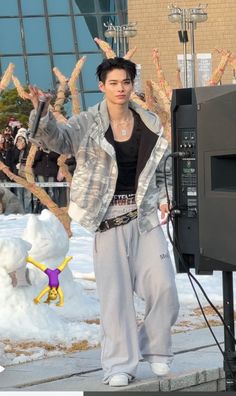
126, 157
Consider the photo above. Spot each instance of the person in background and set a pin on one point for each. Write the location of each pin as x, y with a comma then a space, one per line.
5, 156
14, 125
45, 169
117, 187
64, 192
6, 147
9, 137
19, 155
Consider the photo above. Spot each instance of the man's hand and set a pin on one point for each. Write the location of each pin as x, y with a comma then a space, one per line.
164, 212
35, 95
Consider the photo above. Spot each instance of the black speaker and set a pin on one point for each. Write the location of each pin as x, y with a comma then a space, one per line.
204, 182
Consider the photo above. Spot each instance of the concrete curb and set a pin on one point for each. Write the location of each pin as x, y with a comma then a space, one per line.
197, 367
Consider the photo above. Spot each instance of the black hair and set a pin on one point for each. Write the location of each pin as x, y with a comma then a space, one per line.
110, 64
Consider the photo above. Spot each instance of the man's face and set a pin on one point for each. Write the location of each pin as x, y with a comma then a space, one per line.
117, 87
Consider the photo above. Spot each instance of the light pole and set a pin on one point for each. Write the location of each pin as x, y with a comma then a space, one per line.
121, 35
188, 19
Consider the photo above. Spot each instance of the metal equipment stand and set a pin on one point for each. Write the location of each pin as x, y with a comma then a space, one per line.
229, 353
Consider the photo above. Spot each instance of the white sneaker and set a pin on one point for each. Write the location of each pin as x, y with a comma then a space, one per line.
160, 369
1, 369
119, 380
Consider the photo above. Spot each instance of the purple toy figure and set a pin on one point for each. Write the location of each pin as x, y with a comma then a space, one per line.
53, 289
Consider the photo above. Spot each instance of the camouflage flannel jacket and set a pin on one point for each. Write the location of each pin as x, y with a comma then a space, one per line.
95, 176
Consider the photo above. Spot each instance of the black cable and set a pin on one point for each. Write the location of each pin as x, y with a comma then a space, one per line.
190, 275
197, 297
180, 255
198, 283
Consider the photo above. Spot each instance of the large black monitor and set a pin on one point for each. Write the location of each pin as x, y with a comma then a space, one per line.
204, 183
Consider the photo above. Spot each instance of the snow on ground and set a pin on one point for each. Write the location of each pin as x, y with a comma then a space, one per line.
29, 331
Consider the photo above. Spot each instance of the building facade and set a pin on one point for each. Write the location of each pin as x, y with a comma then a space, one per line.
37, 35
155, 31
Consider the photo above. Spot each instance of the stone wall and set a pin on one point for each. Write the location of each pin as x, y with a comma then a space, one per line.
155, 30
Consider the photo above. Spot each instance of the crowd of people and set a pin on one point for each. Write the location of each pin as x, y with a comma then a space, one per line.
14, 149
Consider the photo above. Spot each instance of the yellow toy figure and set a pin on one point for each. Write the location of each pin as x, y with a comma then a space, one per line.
53, 289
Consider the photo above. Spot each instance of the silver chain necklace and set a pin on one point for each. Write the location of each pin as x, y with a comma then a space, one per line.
126, 122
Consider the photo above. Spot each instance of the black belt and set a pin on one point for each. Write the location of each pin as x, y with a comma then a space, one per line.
117, 221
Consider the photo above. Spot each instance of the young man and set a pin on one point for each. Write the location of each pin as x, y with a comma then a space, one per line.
117, 187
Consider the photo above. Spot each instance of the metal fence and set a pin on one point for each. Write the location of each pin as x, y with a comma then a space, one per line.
40, 184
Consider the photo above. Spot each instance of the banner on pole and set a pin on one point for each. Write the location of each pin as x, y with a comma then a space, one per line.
203, 68
180, 61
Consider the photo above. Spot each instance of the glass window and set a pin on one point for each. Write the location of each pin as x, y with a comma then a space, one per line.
92, 98
112, 5
90, 82
83, 6
107, 5
110, 19
86, 30
30, 7
9, 8
65, 63
40, 71
35, 42
68, 110
68, 106
19, 70
10, 30
58, 7
122, 5
61, 34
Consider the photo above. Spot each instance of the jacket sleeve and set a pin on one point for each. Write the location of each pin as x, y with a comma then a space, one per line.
161, 173
64, 138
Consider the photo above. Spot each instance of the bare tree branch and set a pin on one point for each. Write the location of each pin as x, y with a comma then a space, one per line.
60, 213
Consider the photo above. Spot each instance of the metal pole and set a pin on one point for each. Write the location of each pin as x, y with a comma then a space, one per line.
193, 61
124, 41
185, 61
229, 354
118, 41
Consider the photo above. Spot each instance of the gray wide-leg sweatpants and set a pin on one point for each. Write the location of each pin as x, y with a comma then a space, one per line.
127, 262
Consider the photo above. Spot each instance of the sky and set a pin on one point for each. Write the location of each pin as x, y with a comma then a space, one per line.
30, 331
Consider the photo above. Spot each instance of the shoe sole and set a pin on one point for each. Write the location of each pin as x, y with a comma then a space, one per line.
117, 384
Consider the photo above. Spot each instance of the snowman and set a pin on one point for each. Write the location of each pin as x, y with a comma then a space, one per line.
13, 254
49, 253
49, 246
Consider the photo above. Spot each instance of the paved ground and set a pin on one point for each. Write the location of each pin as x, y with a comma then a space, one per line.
197, 366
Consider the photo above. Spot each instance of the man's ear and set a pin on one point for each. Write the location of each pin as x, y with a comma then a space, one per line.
101, 86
